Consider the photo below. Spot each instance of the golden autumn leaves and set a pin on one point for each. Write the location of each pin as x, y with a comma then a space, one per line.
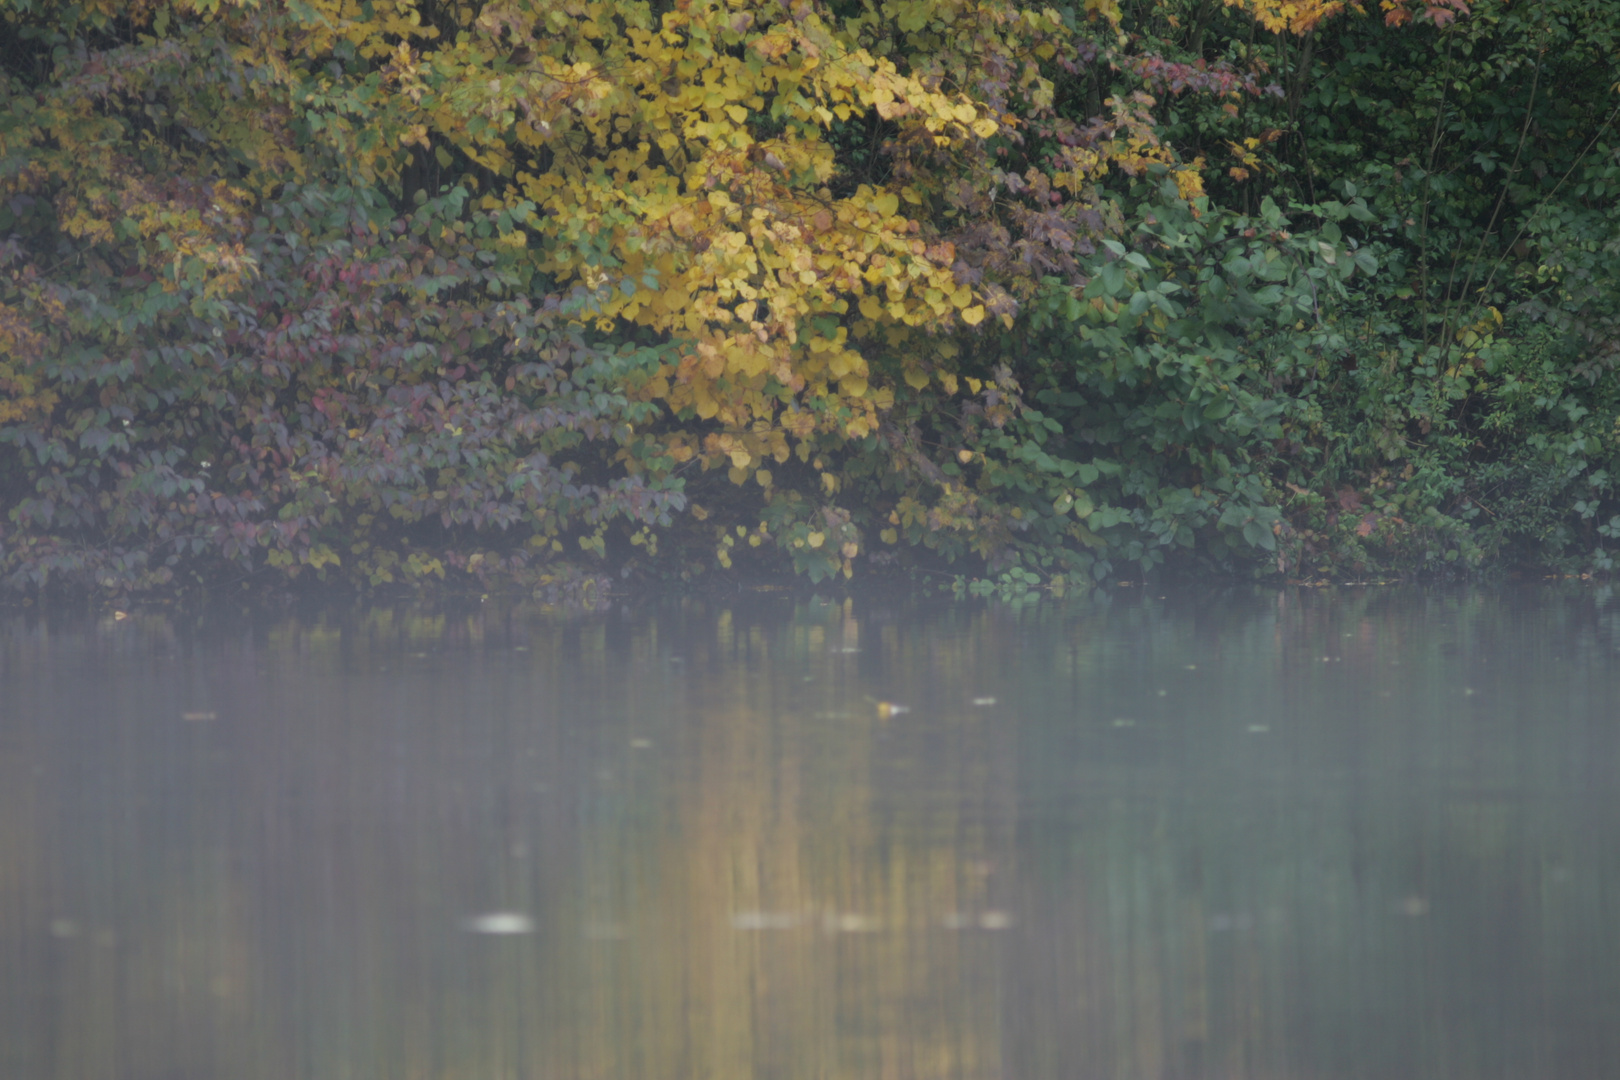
724, 232
688, 171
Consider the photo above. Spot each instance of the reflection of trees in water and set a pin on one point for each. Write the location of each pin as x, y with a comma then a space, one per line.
738, 867
775, 922
1360, 864
126, 930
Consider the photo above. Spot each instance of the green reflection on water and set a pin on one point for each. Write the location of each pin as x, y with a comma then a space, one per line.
1358, 834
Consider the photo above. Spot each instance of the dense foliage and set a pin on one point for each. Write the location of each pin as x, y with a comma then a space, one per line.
396, 290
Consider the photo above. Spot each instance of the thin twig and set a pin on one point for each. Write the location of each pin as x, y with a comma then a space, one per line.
1486, 288
1513, 170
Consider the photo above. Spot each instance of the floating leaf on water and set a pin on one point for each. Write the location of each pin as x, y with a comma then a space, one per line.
889, 708
984, 701
199, 716
765, 920
985, 920
499, 922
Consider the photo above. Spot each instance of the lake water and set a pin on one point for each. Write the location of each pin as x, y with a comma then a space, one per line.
1305, 835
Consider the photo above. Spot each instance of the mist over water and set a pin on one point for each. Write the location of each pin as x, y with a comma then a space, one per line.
1296, 835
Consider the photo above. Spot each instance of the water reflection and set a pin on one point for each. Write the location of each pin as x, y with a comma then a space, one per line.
1300, 835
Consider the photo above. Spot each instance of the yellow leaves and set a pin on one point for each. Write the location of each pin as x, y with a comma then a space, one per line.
772, 46
320, 555
1246, 152
974, 315
1298, 17
20, 395
1482, 331
1189, 181
882, 99
1104, 9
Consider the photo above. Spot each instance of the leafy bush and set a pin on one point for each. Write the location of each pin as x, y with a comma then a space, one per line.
380, 398
396, 291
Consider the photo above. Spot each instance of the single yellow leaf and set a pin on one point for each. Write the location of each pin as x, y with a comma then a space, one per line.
974, 315
886, 204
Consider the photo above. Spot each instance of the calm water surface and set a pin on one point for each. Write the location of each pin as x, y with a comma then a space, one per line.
1315, 836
